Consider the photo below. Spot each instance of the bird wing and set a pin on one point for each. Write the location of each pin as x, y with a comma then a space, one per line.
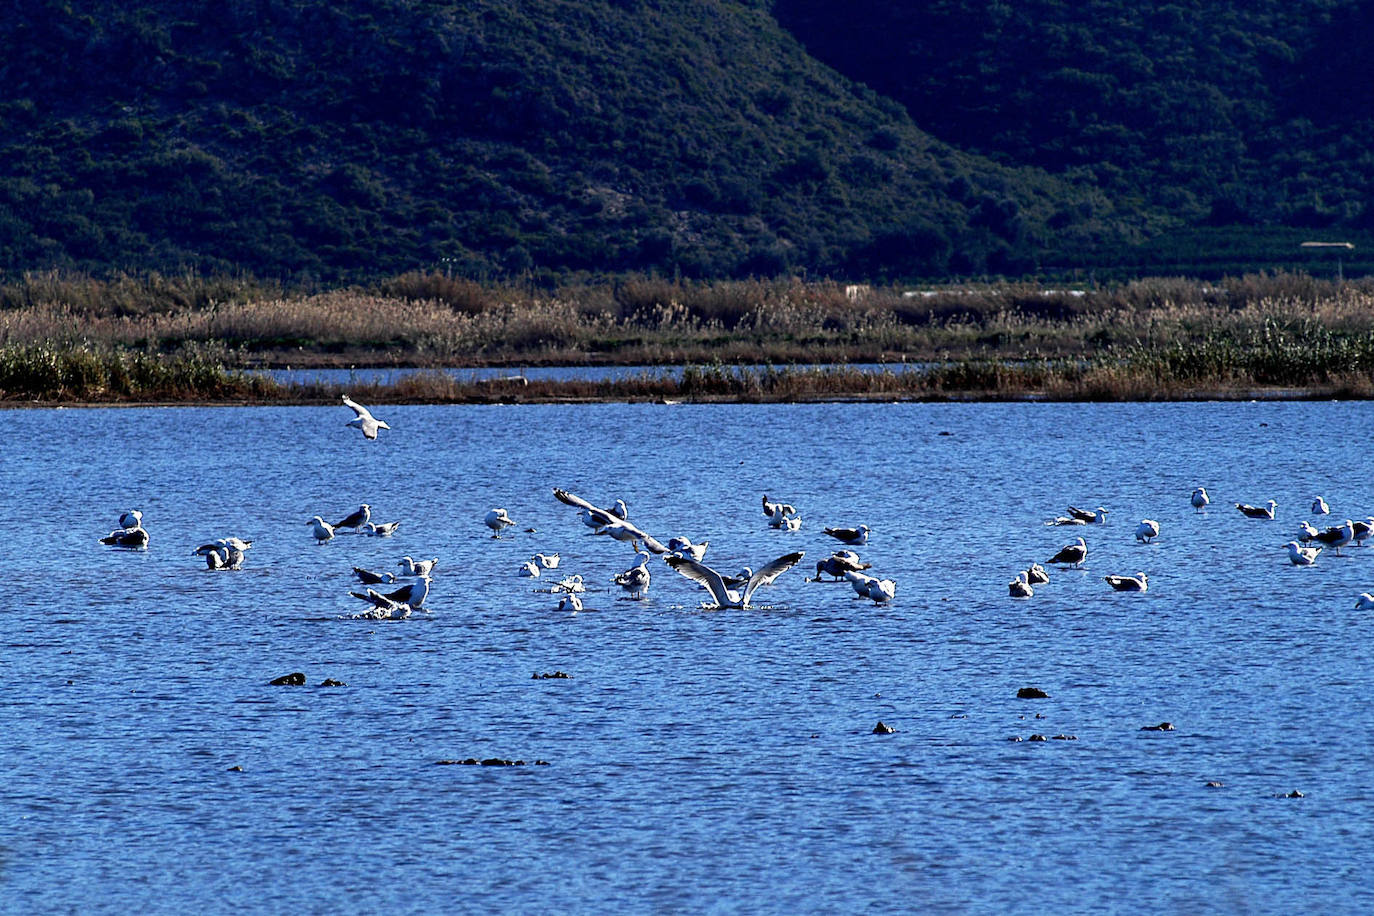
1083, 514
358, 409
768, 573
703, 574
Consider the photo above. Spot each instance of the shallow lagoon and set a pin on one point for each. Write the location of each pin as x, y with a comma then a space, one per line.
698, 760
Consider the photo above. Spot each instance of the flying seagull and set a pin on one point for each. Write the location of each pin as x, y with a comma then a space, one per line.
715, 583
608, 523
364, 420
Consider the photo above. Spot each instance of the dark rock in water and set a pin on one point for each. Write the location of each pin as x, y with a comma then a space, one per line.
1161, 727
1295, 794
295, 679
944, 432
330, 682
1037, 738
1016, 738
1065, 738
236, 769
560, 675
883, 729
1032, 693
497, 762
1215, 785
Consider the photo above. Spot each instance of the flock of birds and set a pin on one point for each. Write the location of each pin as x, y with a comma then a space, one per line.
1303, 551
395, 595
726, 590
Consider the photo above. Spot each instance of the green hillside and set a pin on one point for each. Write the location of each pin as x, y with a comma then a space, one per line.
319, 143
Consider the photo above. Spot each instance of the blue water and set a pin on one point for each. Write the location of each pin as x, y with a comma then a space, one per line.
699, 760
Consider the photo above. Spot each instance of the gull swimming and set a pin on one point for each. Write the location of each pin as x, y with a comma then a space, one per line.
1036, 575
367, 577
570, 602
496, 520
1266, 511
1319, 507
547, 560
635, 580
529, 569
1096, 517
355, 519
771, 508
323, 530
1199, 499
411, 567
609, 523
569, 584
1302, 556
1071, 554
784, 517
364, 420
1365, 602
1020, 587
1147, 530
715, 583
853, 536
131, 519
384, 530
132, 538
1136, 583
224, 553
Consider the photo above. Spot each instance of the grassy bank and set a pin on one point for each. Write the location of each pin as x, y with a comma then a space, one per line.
187, 338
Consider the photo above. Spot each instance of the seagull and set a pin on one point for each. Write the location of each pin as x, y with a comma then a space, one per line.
1319, 507
225, 553
881, 591
364, 420
383, 607
1266, 511
1020, 587
854, 536
133, 538
529, 569
570, 602
1362, 530
547, 560
839, 563
413, 593
1062, 520
1308, 532
568, 584
635, 580
1337, 536
214, 557
1147, 530
1136, 583
1072, 554
784, 517
1096, 517
592, 516
739, 578
496, 520
384, 530
1302, 556
131, 519
684, 547
771, 508
411, 567
355, 519
1199, 498
1365, 602
367, 577
323, 530
236, 543
608, 522
726, 597
1037, 575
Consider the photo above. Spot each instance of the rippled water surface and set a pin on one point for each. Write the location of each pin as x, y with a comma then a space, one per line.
698, 760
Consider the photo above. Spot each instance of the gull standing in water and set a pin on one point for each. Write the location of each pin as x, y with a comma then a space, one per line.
497, 520
1147, 530
364, 420
1072, 554
355, 519
323, 531
1199, 499
715, 582
1337, 536
384, 530
635, 580
1319, 507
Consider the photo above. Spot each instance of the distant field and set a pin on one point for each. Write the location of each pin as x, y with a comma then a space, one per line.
76, 338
